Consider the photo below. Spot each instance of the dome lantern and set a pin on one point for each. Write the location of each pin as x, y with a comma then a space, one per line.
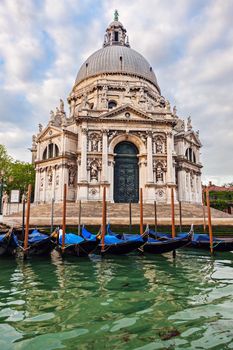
116, 33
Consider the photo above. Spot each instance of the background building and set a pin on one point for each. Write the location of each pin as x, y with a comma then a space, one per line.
221, 197
120, 133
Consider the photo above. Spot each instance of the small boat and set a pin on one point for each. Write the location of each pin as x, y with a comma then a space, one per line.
199, 240
150, 244
157, 246
76, 245
115, 245
38, 244
202, 241
8, 243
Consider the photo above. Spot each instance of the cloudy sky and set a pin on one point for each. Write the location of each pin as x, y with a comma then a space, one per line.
189, 43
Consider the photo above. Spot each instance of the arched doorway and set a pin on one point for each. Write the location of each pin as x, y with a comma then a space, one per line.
126, 173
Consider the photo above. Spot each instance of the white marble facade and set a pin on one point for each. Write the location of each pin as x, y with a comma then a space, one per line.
116, 98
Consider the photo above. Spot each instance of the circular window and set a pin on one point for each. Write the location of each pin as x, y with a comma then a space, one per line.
112, 104
127, 115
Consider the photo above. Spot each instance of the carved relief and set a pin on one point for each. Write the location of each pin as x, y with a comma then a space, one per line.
160, 195
142, 135
104, 97
94, 167
159, 144
57, 180
94, 142
93, 193
41, 182
50, 177
159, 169
72, 176
111, 135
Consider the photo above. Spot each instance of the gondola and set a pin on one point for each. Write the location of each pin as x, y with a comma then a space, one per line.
39, 244
76, 245
8, 243
200, 241
114, 245
154, 245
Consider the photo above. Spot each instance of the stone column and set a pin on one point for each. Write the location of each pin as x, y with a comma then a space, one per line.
61, 183
182, 185
105, 156
194, 199
169, 159
37, 187
189, 189
53, 183
199, 189
45, 184
111, 180
84, 156
149, 158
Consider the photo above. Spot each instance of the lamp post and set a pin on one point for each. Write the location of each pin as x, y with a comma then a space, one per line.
2, 173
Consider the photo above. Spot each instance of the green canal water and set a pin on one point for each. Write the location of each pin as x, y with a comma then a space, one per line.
131, 302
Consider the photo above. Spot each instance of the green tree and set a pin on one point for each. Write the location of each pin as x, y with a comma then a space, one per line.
229, 184
21, 175
5, 162
15, 174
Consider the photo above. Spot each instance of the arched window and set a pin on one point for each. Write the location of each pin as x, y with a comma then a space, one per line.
56, 151
190, 155
112, 104
45, 154
116, 36
50, 151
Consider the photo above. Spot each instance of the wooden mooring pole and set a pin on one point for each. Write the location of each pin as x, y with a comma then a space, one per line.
173, 213
130, 216
64, 218
203, 207
52, 216
156, 221
173, 219
23, 218
27, 221
141, 212
180, 212
104, 207
79, 217
209, 220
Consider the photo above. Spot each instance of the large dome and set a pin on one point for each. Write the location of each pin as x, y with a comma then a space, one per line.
116, 59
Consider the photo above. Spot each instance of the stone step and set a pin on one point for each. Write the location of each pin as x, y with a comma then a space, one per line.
116, 212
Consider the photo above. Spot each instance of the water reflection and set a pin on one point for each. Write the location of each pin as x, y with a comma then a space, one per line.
118, 302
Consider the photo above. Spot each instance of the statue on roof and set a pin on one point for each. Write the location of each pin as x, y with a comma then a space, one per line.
174, 111
116, 15
61, 106
52, 115
189, 124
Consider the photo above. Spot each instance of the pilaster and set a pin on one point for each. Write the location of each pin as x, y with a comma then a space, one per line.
105, 156
149, 158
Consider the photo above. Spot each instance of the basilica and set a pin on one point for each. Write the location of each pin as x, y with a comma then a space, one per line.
120, 133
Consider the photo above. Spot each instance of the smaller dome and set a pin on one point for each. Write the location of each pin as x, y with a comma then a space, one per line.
115, 24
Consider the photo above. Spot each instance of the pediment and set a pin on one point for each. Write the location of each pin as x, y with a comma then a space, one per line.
49, 132
126, 112
192, 137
